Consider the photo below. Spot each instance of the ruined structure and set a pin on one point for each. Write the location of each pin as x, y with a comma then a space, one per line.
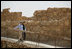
12, 16
53, 26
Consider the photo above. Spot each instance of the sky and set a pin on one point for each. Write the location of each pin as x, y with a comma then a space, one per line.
29, 7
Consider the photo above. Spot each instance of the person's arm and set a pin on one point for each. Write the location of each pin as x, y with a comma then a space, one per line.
16, 27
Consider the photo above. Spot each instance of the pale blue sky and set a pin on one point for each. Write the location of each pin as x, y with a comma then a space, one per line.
28, 7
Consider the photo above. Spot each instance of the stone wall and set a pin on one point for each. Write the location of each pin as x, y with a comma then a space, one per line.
12, 45
52, 24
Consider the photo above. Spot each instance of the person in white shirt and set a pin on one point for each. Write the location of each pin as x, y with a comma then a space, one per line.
22, 35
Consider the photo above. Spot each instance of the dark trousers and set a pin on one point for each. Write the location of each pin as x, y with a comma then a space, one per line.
23, 35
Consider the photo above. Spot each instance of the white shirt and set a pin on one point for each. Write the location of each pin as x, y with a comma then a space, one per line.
20, 27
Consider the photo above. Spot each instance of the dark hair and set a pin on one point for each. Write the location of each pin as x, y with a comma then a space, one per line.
24, 22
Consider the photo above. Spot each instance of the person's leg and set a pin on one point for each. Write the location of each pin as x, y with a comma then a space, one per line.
20, 36
24, 35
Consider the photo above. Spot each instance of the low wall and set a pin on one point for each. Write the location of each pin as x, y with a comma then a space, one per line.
12, 43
